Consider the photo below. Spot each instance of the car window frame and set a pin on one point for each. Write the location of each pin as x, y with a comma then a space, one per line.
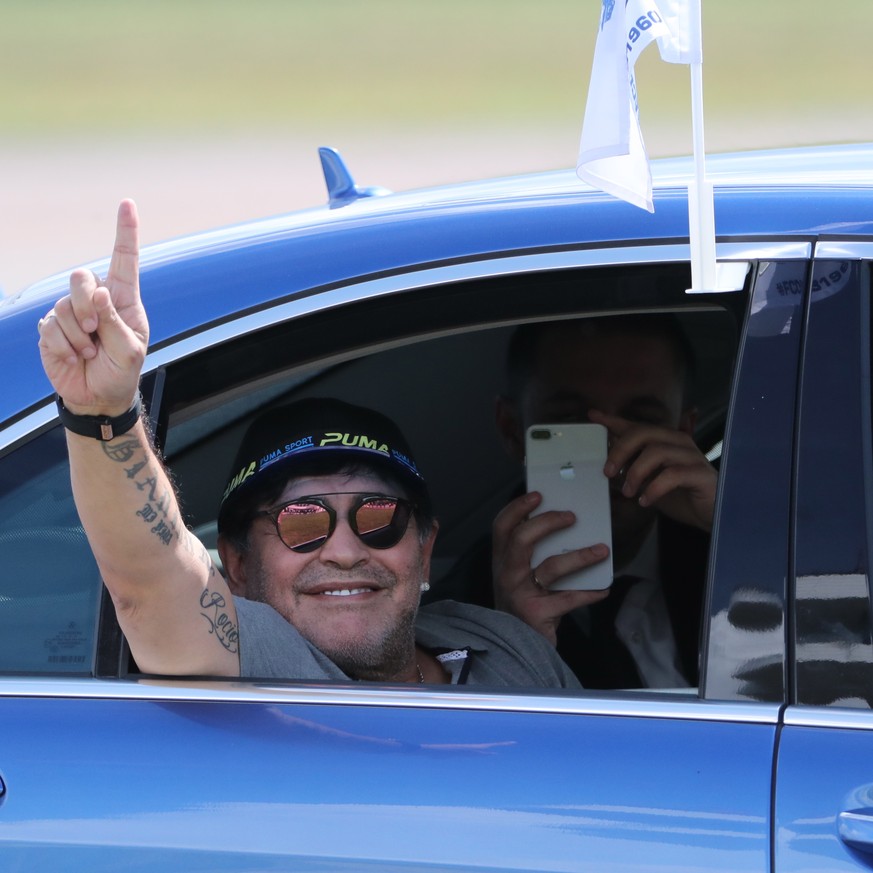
745, 636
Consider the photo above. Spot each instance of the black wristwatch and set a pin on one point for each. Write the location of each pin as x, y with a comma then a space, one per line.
100, 427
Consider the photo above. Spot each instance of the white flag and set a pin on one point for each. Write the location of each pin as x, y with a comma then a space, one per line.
683, 46
612, 155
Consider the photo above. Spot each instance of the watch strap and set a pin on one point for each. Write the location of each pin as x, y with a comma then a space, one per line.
100, 427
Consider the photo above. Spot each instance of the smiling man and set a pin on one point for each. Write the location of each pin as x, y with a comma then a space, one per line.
325, 527
325, 533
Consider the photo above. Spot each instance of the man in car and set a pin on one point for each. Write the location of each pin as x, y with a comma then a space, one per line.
325, 527
628, 373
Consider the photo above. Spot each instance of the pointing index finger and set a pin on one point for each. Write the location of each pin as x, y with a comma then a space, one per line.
123, 277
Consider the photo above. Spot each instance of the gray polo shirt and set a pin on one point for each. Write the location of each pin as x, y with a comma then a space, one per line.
476, 646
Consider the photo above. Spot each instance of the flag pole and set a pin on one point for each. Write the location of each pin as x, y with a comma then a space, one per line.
701, 210
612, 156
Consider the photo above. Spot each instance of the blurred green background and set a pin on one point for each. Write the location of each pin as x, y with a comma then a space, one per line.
210, 111
219, 65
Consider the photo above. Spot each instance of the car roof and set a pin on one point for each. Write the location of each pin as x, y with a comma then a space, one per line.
195, 280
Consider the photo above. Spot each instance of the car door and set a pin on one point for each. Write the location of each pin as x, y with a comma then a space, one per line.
104, 769
824, 788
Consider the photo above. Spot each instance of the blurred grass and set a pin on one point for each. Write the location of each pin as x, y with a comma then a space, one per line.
128, 66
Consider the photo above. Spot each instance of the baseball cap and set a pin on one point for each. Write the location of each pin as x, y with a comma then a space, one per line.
285, 440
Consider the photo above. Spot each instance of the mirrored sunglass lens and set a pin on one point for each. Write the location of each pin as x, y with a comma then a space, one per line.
374, 515
381, 523
304, 526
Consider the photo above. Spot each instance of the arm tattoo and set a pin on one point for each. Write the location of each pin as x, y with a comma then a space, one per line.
214, 607
161, 509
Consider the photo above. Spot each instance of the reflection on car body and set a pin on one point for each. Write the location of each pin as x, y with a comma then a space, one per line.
761, 768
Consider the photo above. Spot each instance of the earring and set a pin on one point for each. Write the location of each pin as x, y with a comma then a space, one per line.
425, 586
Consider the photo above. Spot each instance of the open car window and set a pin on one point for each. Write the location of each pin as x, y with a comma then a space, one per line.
434, 362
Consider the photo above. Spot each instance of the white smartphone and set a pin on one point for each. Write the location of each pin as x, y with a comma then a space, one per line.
564, 462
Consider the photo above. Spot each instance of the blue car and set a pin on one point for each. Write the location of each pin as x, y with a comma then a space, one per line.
406, 302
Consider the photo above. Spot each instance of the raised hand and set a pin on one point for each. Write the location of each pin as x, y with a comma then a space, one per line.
523, 590
93, 341
661, 467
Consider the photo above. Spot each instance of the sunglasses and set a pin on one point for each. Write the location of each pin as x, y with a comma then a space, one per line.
305, 524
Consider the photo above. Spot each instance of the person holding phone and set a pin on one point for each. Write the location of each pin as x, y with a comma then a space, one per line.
629, 374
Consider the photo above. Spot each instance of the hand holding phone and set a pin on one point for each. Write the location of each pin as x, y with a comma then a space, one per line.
564, 463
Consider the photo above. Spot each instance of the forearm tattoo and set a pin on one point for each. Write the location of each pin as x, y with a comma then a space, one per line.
160, 507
